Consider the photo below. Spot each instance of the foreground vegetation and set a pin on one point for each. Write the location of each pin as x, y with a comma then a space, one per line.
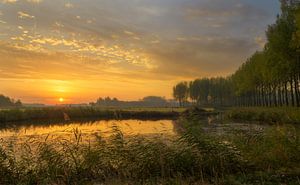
271, 156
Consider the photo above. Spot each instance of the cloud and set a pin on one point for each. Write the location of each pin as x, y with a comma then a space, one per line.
69, 5
206, 57
34, 1
113, 39
14, 1
128, 32
120, 43
9, 1
219, 9
19, 62
155, 42
23, 15
58, 24
216, 14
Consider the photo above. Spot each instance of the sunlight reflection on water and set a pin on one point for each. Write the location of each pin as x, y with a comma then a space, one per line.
88, 130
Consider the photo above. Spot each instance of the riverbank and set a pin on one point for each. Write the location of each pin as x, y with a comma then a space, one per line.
259, 155
120, 159
241, 156
72, 113
274, 115
21, 116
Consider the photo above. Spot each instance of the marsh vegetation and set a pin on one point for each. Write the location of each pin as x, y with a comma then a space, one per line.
250, 134
198, 153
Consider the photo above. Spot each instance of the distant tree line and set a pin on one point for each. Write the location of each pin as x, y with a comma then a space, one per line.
205, 91
149, 101
8, 102
268, 78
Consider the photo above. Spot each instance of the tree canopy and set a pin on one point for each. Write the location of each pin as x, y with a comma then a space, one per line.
8, 102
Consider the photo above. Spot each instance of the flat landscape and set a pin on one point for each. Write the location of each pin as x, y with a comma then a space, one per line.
139, 92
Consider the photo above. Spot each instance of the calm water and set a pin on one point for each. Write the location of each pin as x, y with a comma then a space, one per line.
87, 130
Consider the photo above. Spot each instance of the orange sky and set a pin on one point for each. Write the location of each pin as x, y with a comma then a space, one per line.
51, 49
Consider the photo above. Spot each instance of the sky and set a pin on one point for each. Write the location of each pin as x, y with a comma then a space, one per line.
80, 50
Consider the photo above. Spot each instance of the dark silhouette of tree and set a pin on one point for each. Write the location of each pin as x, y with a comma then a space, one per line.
8, 102
268, 78
181, 93
154, 101
149, 101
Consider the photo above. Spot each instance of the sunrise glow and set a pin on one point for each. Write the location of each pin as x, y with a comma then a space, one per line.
61, 100
124, 49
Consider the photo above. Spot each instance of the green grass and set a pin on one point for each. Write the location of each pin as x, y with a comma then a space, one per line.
265, 115
274, 156
270, 156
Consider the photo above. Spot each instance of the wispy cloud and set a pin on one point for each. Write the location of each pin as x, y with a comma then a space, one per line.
69, 5
23, 15
9, 1
14, 1
133, 41
34, 1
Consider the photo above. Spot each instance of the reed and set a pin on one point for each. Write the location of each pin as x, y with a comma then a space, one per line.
282, 115
193, 157
128, 159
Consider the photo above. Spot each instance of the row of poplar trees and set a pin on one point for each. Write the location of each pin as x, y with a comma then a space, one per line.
268, 78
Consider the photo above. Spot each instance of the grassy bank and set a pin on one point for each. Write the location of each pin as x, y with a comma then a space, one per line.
280, 115
271, 156
136, 160
268, 156
58, 113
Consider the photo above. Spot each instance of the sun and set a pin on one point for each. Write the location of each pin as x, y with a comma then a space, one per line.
61, 99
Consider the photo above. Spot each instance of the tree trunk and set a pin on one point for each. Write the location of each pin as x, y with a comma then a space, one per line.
263, 96
270, 96
286, 94
292, 92
296, 86
279, 91
274, 96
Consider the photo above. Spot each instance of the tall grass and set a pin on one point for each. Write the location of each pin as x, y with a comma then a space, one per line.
240, 157
128, 159
265, 115
274, 154
267, 156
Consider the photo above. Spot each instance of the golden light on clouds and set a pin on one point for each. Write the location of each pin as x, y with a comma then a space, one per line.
79, 51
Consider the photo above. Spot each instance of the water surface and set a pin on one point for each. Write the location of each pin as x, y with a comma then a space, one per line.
87, 130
